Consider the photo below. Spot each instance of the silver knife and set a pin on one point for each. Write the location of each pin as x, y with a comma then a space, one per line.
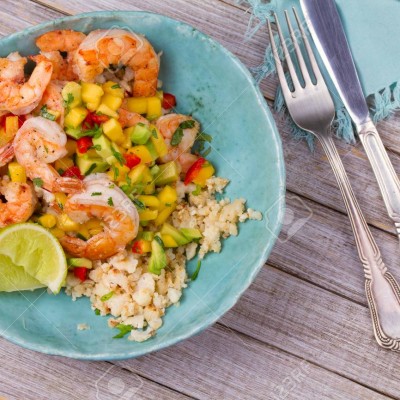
327, 31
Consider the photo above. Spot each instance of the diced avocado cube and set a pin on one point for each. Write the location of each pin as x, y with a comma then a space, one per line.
191, 234
74, 133
80, 262
139, 133
179, 238
103, 148
75, 117
168, 173
158, 259
89, 165
72, 94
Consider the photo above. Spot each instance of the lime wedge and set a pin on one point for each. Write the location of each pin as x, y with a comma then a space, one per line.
14, 278
36, 250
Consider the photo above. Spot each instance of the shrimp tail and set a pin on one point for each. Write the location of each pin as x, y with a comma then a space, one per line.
68, 185
6, 154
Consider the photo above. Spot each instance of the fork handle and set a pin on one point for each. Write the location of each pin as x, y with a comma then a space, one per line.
385, 174
383, 292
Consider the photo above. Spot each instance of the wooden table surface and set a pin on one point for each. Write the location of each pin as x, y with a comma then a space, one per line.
302, 330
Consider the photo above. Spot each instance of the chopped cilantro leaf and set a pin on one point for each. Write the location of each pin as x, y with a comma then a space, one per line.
97, 311
138, 204
96, 194
177, 137
123, 330
159, 241
120, 158
116, 86
38, 182
110, 201
196, 272
154, 133
45, 114
91, 169
96, 147
187, 124
80, 236
107, 296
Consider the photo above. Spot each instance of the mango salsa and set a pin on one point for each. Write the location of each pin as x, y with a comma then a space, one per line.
91, 92
17, 172
75, 117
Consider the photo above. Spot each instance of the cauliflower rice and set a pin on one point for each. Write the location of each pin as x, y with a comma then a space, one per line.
136, 299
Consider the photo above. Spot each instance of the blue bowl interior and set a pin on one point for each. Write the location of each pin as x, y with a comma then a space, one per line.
217, 89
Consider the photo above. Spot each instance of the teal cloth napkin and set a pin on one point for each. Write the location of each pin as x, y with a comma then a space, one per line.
373, 32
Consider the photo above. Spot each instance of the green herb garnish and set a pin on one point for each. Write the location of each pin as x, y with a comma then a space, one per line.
96, 194
159, 241
197, 191
187, 124
116, 172
80, 236
45, 113
96, 147
123, 330
154, 133
97, 311
196, 273
116, 86
95, 132
120, 158
140, 205
107, 296
91, 169
38, 182
70, 99
178, 134
110, 201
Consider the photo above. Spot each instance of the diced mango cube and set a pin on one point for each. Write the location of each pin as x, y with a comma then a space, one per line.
66, 224
167, 195
54, 113
75, 117
111, 101
60, 199
91, 92
83, 232
94, 223
93, 105
72, 94
119, 176
104, 109
154, 109
164, 214
202, 176
57, 232
17, 172
113, 130
113, 88
136, 173
137, 104
149, 201
12, 125
48, 221
148, 215
169, 241
142, 152
63, 163
158, 142
150, 188
71, 147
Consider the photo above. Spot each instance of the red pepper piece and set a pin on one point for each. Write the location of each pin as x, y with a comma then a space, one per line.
169, 101
84, 144
93, 118
137, 247
194, 170
131, 160
73, 172
80, 273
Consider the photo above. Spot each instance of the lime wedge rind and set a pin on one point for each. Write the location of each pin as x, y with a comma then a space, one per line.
34, 248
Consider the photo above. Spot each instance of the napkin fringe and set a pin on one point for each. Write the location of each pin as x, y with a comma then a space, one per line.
384, 103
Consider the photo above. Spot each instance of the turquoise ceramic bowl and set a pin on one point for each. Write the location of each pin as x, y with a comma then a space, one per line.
218, 90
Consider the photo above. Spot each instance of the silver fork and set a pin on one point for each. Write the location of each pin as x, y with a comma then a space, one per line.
312, 109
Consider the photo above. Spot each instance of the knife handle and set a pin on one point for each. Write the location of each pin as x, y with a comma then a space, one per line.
385, 174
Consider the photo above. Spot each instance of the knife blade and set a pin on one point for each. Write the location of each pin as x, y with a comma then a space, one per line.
327, 31
329, 37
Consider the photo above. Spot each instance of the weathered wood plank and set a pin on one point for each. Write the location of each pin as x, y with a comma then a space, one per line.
31, 376
224, 23
222, 364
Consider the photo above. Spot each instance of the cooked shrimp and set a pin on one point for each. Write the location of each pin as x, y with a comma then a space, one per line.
116, 47
22, 98
109, 204
128, 119
53, 100
20, 202
38, 143
12, 68
6, 154
60, 40
51, 44
167, 125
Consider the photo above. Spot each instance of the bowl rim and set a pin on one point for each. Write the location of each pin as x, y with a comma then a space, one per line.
211, 319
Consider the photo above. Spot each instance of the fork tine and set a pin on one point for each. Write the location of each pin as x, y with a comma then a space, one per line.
278, 63
292, 71
300, 58
313, 61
